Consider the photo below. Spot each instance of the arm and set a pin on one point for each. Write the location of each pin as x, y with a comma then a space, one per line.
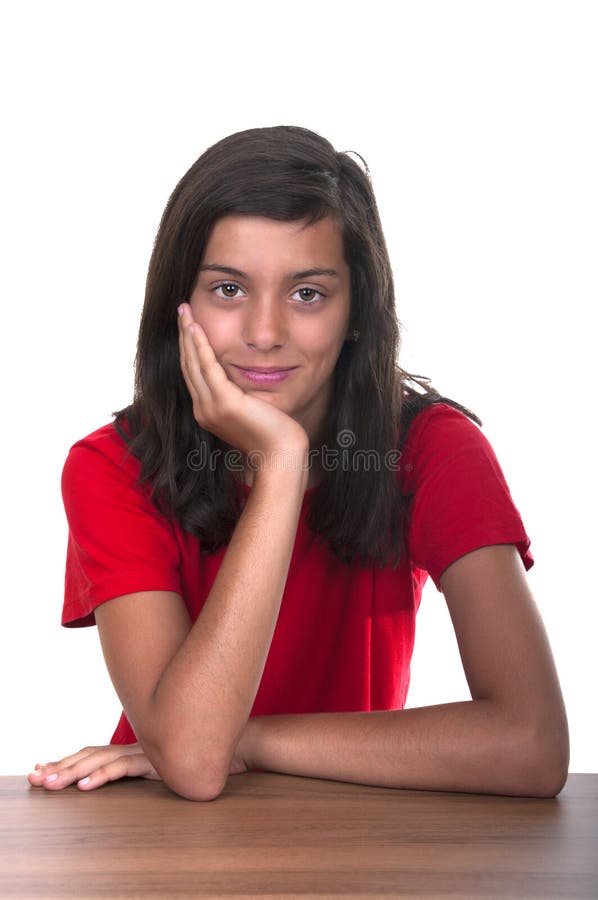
193, 687
188, 687
185, 686
510, 738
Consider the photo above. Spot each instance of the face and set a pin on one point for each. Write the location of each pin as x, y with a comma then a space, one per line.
260, 307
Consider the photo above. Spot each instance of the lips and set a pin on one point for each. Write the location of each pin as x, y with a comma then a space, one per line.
264, 376
265, 369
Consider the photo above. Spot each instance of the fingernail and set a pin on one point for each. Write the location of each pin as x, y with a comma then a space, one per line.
51, 777
180, 310
84, 781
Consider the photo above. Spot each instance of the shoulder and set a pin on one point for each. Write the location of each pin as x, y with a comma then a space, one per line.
99, 467
118, 540
103, 450
459, 499
438, 433
441, 420
102, 489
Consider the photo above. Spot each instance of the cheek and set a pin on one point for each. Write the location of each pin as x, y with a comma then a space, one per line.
219, 330
324, 354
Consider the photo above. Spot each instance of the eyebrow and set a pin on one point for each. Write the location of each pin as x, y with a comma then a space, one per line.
290, 276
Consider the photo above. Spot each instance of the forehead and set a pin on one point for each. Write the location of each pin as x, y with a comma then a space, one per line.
259, 239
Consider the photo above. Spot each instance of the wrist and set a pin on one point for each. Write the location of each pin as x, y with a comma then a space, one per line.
251, 743
283, 468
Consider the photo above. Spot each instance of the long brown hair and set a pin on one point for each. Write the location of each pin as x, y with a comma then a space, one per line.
286, 173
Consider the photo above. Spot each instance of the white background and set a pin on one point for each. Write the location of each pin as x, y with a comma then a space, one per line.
478, 122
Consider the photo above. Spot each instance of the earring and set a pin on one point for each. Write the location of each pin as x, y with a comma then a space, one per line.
355, 335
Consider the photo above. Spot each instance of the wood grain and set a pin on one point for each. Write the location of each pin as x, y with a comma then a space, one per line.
290, 837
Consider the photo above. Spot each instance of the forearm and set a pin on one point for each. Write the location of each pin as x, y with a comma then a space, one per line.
467, 746
205, 694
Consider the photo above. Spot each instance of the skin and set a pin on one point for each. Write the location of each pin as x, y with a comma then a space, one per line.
269, 319
510, 738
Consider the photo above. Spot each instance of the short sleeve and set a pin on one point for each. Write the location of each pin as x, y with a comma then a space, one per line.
460, 498
118, 542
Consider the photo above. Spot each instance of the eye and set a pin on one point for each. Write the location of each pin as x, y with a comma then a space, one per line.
229, 289
226, 284
306, 301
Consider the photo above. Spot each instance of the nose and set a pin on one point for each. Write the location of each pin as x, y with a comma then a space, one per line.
265, 325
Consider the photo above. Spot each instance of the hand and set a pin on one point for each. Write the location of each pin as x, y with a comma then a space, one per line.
93, 767
237, 417
114, 761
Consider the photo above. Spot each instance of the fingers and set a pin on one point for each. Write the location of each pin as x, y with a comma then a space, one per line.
235, 416
129, 766
46, 775
209, 386
190, 366
201, 367
185, 320
90, 767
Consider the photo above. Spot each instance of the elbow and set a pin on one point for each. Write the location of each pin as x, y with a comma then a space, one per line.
191, 778
554, 784
191, 789
547, 782
554, 752
542, 765
553, 770
193, 785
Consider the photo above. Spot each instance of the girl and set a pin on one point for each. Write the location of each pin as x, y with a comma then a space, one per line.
252, 534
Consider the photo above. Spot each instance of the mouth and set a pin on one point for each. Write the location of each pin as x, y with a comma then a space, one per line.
263, 375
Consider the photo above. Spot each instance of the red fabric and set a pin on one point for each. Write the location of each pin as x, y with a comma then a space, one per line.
344, 636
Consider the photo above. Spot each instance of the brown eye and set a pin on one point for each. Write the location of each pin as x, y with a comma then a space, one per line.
225, 285
309, 301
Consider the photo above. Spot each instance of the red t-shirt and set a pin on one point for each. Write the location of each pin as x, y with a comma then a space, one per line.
344, 636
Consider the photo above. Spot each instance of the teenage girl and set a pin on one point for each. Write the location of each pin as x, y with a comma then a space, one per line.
252, 534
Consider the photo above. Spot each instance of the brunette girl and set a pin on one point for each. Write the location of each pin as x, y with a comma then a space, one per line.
252, 534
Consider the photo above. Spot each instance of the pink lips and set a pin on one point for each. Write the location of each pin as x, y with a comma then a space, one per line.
265, 376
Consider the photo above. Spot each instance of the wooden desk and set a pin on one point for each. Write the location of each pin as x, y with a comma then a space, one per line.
283, 836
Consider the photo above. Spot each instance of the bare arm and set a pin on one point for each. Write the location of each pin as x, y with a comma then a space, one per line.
510, 738
188, 690
188, 704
